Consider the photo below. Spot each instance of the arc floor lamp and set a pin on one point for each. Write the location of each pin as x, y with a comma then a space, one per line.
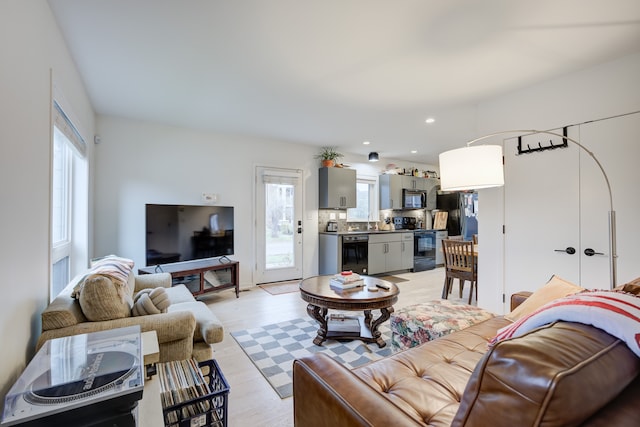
481, 166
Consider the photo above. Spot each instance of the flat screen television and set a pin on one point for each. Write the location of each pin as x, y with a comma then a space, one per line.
187, 232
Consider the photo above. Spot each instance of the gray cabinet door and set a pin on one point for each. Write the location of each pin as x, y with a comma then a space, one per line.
414, 182
390, 191
432, 187
337, 188
377, 258
330, 256
407, 251
394, 256
440, 236
386, 252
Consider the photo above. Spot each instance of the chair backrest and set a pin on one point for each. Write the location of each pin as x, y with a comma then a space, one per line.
458, 255
475, 239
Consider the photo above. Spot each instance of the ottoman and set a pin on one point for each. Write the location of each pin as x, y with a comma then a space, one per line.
416, 324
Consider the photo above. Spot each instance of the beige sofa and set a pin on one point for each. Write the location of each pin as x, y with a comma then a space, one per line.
187, 328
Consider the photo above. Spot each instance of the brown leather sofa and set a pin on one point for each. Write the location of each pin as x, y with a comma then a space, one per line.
564, 374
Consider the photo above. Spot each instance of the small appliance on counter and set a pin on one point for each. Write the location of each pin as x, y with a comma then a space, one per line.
409, 223
406, 223
332, 226
398, 222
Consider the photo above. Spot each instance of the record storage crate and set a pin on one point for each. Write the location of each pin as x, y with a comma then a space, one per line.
216, 402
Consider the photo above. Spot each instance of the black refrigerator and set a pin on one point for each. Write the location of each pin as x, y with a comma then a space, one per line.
462, 207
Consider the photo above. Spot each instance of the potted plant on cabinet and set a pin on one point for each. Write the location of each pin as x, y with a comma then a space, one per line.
328, 156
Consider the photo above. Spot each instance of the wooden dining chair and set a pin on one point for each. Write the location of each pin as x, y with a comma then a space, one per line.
475, 239
459, 263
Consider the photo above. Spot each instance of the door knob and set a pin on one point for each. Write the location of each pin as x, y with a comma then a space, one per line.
570, 250
591, 252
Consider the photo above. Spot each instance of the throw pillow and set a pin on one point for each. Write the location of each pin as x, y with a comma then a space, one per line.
553, 289
632, 287
150, 301
101, 299
113, 267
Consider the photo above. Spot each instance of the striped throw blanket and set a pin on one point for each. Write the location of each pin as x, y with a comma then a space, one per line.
617, 313
115, 268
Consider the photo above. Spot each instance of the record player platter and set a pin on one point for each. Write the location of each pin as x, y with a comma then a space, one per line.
101, 372
92, 379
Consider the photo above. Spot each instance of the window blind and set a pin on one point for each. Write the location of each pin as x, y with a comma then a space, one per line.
62, 122
280, 177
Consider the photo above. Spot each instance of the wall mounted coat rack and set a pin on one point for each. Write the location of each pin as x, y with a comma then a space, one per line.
540, 147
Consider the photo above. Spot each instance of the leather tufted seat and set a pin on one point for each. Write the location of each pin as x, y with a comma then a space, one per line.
565, 374
428, 384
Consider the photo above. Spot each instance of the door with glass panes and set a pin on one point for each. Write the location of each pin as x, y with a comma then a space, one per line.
278, 224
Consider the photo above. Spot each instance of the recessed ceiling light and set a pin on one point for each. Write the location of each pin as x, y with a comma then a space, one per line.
414, 151
430, 120
366, 143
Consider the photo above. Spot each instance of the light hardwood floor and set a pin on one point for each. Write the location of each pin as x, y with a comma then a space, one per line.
252, 401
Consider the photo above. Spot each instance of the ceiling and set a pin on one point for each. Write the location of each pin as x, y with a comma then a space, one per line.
333, 72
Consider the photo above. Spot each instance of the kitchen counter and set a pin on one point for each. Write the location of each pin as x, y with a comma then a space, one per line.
348, 233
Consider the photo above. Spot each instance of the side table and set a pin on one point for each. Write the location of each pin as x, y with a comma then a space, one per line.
149, 407
200, 268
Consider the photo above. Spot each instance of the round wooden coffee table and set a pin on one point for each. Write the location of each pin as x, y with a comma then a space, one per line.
322, 297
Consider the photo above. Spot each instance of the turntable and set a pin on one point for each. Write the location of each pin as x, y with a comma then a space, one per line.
93, 379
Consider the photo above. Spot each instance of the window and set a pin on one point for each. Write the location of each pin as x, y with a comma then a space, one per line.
60, 212
366, 201
69, 181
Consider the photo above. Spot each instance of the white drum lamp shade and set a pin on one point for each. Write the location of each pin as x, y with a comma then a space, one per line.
471, 168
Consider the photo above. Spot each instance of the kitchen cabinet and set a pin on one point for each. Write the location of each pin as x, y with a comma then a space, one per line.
390, 191
384, 253
406, 251
413, 182
337, 188
330, 256
432, 185
391, 187
440, 236
390, 252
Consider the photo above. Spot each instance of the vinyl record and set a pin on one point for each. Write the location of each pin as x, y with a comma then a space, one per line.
100, 372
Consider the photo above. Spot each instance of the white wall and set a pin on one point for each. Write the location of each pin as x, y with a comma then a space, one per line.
139, 163
598, 92
30, 46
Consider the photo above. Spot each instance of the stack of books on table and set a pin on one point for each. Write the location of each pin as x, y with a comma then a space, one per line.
346, 281
343, 325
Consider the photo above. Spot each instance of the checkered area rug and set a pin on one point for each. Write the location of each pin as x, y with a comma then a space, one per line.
272, 348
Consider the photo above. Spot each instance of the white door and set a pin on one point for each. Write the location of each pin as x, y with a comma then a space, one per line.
559, 199
615, 143
278, 224
542, 218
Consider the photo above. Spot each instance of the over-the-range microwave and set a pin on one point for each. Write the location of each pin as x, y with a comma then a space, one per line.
414, 199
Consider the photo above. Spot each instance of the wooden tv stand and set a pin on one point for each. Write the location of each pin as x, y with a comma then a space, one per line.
180, 270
